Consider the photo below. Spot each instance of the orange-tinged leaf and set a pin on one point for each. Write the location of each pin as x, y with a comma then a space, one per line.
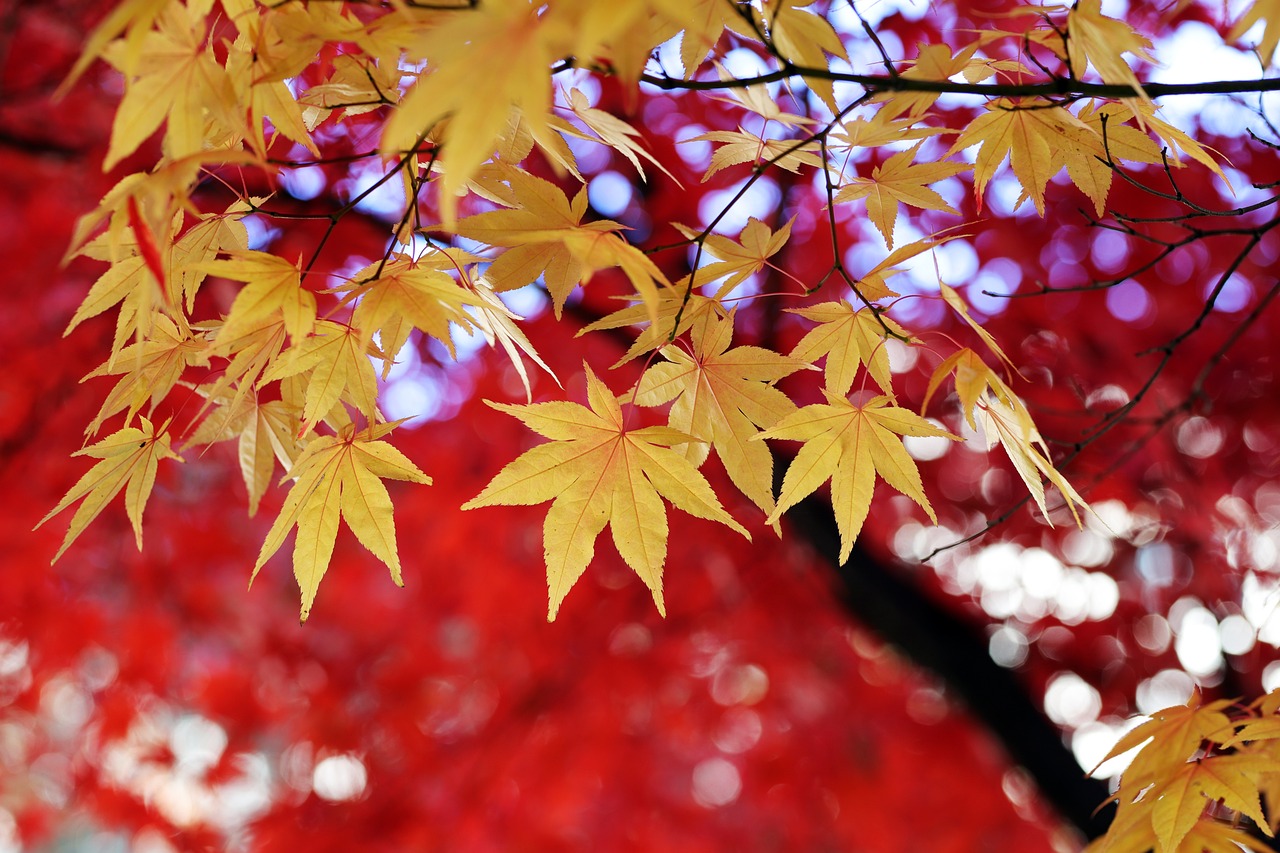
340, 476
721, 396
1176, 734
597, 472
1132, 832
848, 445
129, 458
1180, 800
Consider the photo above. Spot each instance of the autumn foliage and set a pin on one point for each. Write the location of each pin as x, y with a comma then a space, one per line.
391, 266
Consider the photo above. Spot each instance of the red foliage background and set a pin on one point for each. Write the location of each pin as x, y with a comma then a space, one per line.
150, 697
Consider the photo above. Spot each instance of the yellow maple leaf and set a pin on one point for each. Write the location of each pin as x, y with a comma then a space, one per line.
148, 370
1261, 10
597, 472
340, 476
1178, 801
721, 396
271, 284
1094, 39
614, 132
742, 146
900, 181
1013, 428
174, 79
129, 458
741, 259
497, 323
876, 131
802, 37
545, 236
337, 367
672, 303
477, 106
973, 380
264, 434
848, 445
849, 338
1176, 734
404, 293
1026, 131
1131, 831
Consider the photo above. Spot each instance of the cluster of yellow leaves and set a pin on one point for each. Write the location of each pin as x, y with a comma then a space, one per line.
287, 369
1199, 773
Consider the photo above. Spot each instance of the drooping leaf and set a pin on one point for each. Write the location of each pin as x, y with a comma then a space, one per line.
340, 476
129, 458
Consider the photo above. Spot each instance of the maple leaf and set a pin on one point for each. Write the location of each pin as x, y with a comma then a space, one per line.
721, 395
614, 132
264, 433
1026, 131
900, 181
1179, 800
691, 310
848, 445
878, 130
1176, 734
263, 97
1131, 831
340, 476
1015, 431
597, 472
738, 260
337, 367
548, 238
703, 22
148, 370
174, 78
1261, 10
477, 106
933, 62
497, 323
973, 380
742, 146
272, 284
129, 458
406, 293
803, 38
848, 337
1094, 39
